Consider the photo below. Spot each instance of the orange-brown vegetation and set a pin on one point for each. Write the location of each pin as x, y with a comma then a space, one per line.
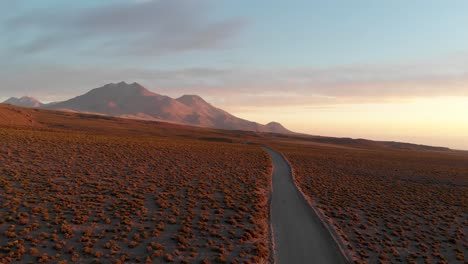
388, 205
127, 194
78, 188
17, 116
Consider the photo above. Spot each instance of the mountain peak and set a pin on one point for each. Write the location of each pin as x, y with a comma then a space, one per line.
124, 84
125, 89
277, 128
191, 99
274, 124
24, 101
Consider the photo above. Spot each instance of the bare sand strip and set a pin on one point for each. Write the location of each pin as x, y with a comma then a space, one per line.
299, 234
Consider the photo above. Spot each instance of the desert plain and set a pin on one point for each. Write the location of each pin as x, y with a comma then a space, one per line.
81, 188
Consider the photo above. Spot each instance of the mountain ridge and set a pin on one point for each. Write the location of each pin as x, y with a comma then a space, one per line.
132, 100
25, 101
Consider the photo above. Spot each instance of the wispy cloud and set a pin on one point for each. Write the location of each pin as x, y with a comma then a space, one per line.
354, 83
132, 28
250, 87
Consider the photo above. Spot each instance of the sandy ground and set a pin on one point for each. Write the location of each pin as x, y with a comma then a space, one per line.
299, 235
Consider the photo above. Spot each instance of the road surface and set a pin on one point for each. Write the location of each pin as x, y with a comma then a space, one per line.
299, 235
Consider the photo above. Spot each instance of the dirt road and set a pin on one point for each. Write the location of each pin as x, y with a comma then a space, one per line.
299, 235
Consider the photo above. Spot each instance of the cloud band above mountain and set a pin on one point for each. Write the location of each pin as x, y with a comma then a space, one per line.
253, 87
123, 29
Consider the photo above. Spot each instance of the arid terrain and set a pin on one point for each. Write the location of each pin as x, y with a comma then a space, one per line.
262, 132
81, 188
79, 195
388, 205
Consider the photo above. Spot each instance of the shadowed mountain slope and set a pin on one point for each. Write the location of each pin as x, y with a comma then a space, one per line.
24, 101
135, 101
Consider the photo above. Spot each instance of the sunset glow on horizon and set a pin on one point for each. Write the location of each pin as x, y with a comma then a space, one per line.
233, 131
391, 71
436, 121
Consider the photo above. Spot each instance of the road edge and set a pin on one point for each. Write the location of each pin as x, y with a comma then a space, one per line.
328, 226
272, 257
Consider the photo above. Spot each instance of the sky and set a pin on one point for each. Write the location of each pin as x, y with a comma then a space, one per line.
384, 70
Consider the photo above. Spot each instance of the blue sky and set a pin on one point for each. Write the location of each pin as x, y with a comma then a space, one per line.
245, 56
331, 33
275, 33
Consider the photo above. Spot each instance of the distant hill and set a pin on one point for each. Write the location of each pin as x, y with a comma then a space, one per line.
17, 117
24, 101
362, 143
136, 102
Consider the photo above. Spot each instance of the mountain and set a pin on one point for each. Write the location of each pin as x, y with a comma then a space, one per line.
122, 99
206, 115
24, 101
274, 126
135, 101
